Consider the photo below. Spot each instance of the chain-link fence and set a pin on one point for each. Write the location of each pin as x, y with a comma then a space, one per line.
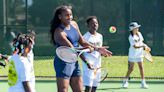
20, 15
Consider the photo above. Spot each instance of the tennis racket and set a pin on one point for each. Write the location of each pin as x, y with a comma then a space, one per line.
68, 54
2, 60
103, 72
148, 56
3, 56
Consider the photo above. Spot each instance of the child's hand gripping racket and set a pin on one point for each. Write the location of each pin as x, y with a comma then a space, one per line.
68, 54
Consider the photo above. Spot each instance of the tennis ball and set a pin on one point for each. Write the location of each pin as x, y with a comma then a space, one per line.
112, 29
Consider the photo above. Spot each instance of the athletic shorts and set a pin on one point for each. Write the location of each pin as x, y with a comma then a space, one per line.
91, 80
66, 70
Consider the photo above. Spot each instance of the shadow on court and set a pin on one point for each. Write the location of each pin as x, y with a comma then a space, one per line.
134, 86
107, 86
108, 89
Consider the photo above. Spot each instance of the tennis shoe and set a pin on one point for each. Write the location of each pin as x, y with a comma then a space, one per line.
144, 85
125, 84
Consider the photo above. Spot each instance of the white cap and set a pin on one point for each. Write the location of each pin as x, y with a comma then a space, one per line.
133, 25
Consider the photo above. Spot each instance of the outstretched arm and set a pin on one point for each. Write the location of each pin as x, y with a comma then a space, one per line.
144, 46
103, 50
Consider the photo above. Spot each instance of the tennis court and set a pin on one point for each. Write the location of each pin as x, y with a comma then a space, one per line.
22, 15
106, 86
117, 67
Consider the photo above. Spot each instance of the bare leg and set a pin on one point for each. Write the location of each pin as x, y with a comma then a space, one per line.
76, 84
130, 69
62, 84
140, 65
141, 68
94, 89
88, 89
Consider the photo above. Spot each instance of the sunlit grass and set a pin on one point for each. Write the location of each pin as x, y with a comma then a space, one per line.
116, 66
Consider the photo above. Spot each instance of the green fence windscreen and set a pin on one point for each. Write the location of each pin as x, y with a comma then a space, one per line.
36, 14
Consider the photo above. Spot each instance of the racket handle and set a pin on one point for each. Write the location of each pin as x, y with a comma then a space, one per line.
82, 51
86, 50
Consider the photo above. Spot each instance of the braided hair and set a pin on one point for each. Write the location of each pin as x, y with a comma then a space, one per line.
20, 43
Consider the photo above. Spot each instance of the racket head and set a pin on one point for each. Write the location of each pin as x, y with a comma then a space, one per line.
2, 63
148, 56
104, 75
3, 59
66, 54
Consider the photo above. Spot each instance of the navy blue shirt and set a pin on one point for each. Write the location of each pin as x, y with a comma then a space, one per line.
72, 35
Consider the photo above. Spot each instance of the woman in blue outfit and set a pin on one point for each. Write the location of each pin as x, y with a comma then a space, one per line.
65, 32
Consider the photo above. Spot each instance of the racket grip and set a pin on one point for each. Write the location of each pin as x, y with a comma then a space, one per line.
86, 50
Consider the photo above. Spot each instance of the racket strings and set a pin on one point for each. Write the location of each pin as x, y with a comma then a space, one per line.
148, 56
66, 54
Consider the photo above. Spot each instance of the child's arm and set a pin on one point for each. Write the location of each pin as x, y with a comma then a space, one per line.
90, 66
26, 86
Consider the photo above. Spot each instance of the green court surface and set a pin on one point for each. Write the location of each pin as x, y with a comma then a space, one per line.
107, 86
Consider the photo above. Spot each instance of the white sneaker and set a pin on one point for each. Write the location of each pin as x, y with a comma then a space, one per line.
125, 84
144, 85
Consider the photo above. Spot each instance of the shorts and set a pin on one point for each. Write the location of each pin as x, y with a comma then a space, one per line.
140, 59
66, 70
89, 79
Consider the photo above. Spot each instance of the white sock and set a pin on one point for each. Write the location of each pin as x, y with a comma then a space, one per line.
126, 80
143, 81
